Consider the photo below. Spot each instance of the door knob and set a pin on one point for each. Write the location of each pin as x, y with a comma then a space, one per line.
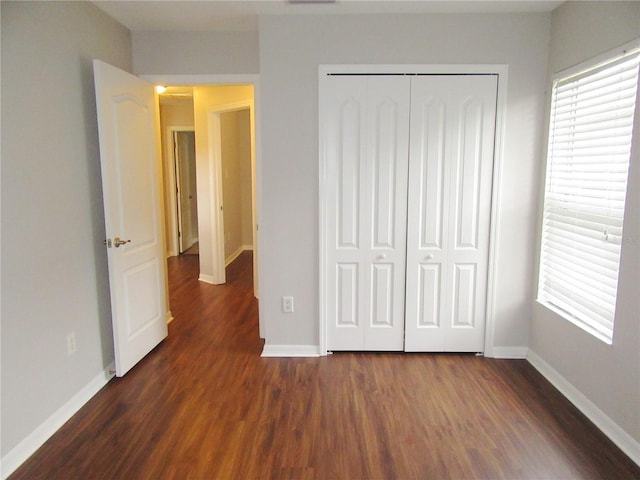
117, 242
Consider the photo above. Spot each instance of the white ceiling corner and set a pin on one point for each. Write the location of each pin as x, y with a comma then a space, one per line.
242, 15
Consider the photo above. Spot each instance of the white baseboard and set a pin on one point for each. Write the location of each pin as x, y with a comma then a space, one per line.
290, 351
509, 352
27, 447
233, 256
206, 278
611, 429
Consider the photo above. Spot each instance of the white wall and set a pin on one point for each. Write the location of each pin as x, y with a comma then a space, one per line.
289, 92
236, 161
195, 52
54, 264
608, 375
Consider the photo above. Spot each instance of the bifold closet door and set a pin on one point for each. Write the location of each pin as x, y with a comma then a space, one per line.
449, 208
367, 142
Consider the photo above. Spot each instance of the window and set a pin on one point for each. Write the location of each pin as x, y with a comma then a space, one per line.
591, 122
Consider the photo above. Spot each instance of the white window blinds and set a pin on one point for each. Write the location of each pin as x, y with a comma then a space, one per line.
587, 164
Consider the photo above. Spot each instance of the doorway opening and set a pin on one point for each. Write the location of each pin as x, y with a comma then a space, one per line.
183, 147
209, 165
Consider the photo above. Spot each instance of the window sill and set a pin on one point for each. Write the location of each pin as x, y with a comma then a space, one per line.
578, 323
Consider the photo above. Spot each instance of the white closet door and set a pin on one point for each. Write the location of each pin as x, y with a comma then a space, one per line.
367, 127
450, 177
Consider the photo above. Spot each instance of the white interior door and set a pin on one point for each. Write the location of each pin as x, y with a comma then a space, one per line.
450, 179
129, 154
367, 128
186, 186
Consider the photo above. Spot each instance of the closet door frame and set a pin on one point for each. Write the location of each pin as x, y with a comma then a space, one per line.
501, 71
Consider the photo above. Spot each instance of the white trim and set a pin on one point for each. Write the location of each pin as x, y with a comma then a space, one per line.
501, 108
237, 253
27, 447
216, 197
408, 69
496, 206
233, 107
202, 79
290, 351
214, 123
233, 256
611, 429
203, 277
215, 154
322, 213
512, 353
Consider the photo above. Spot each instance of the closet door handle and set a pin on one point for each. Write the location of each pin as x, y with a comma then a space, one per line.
428, 257
380, 257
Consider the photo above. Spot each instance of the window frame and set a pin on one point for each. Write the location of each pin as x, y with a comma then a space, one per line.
580, 70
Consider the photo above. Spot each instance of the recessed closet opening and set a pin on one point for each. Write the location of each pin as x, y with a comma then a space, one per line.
409, 190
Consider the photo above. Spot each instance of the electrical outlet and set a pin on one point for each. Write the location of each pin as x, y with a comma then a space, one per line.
71, 343
287, 304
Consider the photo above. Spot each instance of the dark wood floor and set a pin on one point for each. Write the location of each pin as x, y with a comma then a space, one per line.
204, 405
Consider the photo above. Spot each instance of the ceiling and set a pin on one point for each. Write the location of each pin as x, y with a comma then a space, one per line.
176, 95
242, 15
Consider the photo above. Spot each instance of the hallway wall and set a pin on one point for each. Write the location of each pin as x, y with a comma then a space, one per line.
236, 163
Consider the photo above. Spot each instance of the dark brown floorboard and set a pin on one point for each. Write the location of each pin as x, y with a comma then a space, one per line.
204, 405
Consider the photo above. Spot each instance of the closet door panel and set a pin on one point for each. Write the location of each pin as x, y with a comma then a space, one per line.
388, 155
345, 130
426, 222
367, 128
450, 173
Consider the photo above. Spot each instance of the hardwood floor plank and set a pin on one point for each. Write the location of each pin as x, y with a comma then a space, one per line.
205, 405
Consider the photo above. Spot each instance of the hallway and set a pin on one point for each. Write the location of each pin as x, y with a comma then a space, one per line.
204, 405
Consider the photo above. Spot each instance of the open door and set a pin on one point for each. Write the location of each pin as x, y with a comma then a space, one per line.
185, 171
132, 192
